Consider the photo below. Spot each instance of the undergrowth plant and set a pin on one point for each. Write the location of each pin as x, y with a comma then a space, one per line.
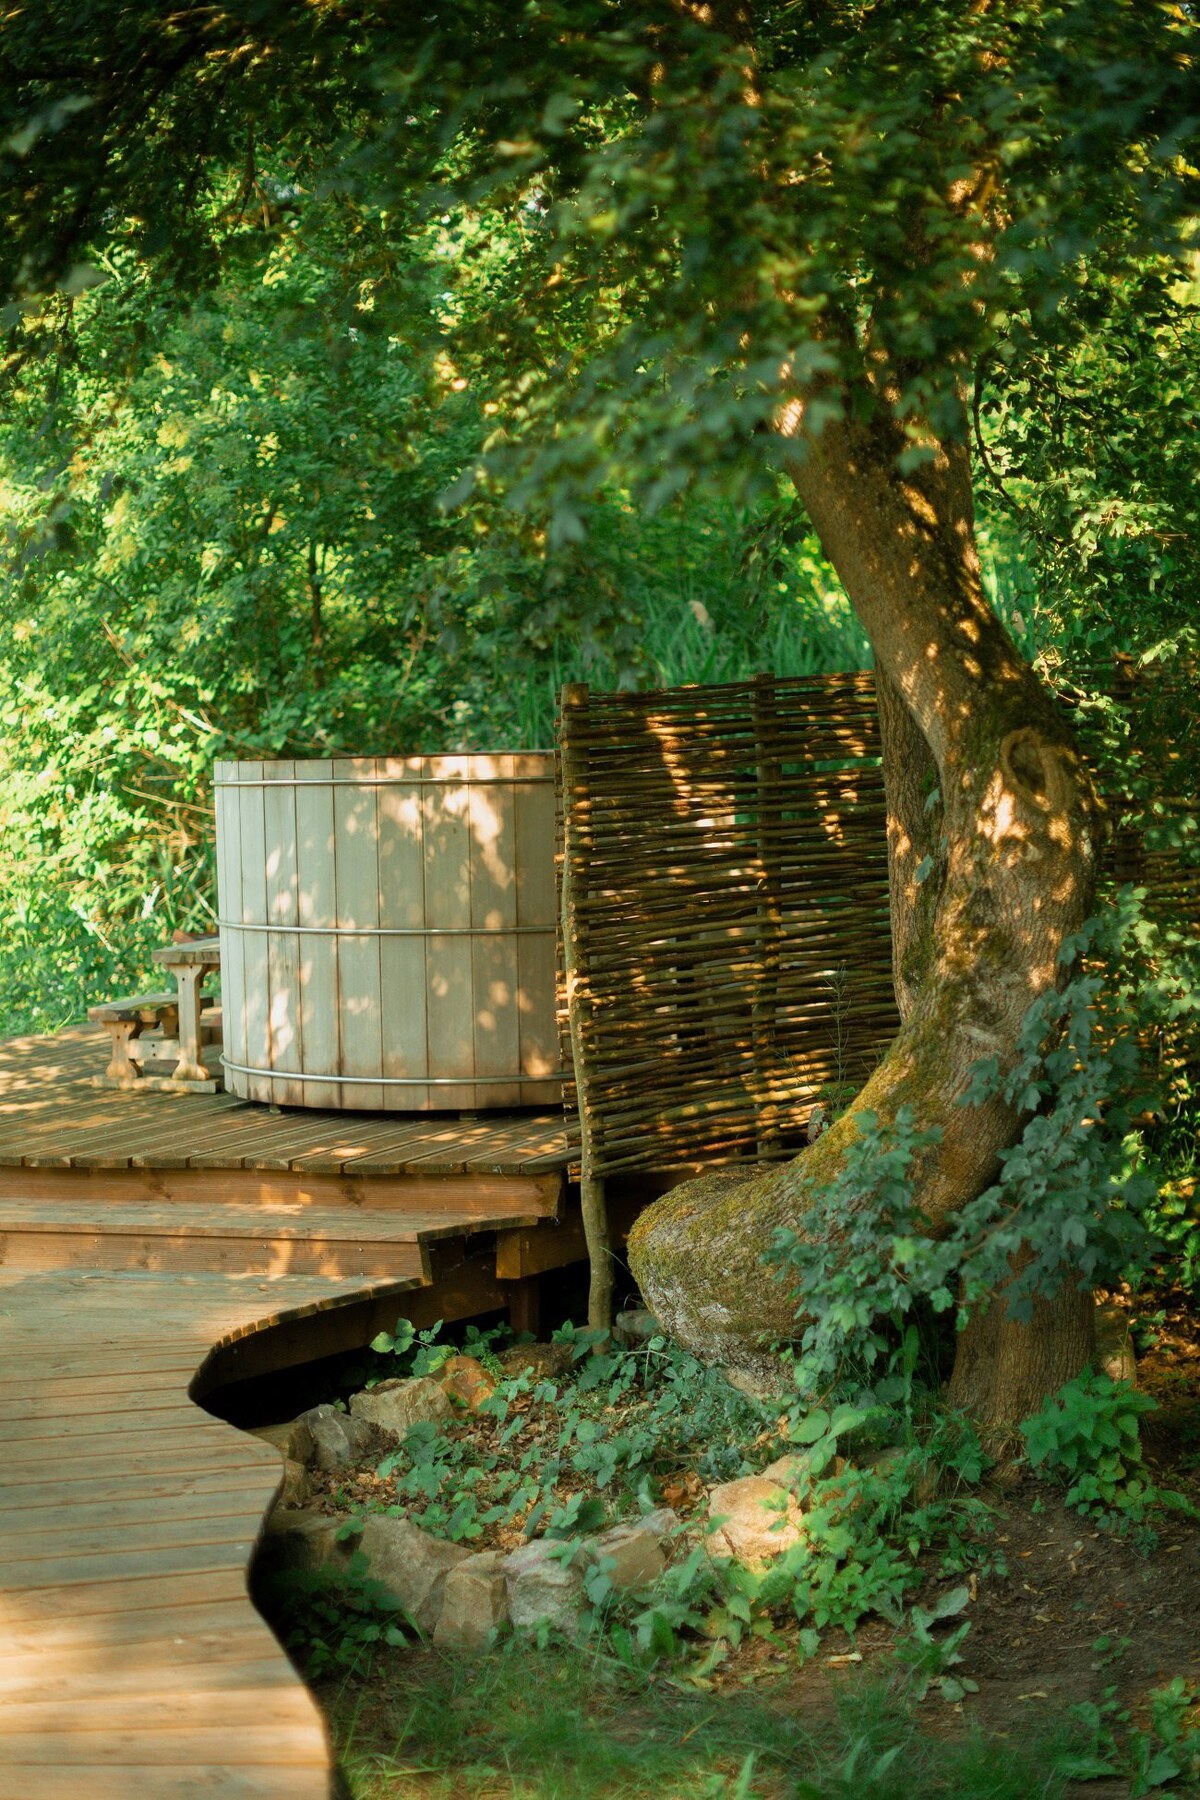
621, 1431
335, 1617
558, 1456
931, 1660
569, 1724
1149, 1756
1086, 1436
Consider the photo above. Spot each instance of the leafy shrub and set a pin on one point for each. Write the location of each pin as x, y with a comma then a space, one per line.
1087, 1436
1108, 1743
929, 1659
564, 1456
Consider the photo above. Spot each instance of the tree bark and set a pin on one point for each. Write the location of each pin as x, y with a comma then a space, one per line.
916, 857
1005, 1367
986, 883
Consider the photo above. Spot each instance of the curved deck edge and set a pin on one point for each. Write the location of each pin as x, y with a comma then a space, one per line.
132, 1659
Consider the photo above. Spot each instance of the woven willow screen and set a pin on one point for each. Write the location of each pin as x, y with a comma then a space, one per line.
725, 891
726, 935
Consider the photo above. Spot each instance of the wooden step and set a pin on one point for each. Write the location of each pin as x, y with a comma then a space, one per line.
226, 1239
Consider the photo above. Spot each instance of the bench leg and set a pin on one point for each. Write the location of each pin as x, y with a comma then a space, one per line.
121, 1066
190, 1066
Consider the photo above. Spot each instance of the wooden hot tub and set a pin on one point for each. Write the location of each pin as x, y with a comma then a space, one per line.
388, 931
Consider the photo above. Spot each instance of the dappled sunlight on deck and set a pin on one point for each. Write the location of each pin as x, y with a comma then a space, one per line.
154, 1246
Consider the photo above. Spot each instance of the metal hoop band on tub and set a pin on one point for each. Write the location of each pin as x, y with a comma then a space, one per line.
417, 931
365, 781
459, 1081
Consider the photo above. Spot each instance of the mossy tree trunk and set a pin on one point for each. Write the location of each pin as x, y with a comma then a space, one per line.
992, 831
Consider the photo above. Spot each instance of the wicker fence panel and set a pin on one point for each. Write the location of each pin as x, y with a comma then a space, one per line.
726, 934
726, 879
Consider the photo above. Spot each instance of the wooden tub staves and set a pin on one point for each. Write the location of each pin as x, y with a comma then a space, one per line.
388, 931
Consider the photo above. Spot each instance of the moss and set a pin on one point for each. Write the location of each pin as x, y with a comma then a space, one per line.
698, 1254
697, 1257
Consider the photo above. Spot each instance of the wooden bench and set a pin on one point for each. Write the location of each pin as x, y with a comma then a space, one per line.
125, 1021
158, 1039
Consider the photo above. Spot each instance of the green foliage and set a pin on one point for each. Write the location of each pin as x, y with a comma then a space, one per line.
850, 1255
563, 261
57, 955
556, 1725
661, 223
1174, 1215
930, 1659
1109, 1743
565, 1457
1078, 1186
335, 1619
1089, 446
413, 1352
871, 1520
224, 536
1086, 1435
552, 1725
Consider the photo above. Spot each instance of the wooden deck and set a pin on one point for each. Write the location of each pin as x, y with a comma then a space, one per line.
154, 1247
52, 1118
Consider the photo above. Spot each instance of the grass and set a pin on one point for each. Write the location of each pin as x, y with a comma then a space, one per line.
559, 1725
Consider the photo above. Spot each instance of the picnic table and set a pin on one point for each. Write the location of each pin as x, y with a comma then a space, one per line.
164, 1032
190, 962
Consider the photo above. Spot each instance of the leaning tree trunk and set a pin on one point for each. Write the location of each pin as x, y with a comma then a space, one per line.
993, 824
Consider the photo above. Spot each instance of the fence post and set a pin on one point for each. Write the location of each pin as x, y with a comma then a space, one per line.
575, 800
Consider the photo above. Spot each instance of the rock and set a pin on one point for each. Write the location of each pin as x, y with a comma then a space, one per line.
394, 1407
634, 1551
924, 1477
293, 1439
794, 1471
663, 1522
543, 1589
338, 1440
412, 1565
474, 1603
296, 1487
465, 1382
759, 1519
538, 1360
764, 1384
636, 1327
296, 1538
882, 1461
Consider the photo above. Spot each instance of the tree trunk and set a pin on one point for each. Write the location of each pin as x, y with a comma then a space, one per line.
916, 857
1004, 1367
988, 875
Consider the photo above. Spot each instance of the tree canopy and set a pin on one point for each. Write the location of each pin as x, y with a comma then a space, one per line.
722, 205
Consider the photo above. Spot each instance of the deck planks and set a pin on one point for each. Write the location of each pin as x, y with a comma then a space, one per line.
134, 1524
50, 1117
139, 1232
